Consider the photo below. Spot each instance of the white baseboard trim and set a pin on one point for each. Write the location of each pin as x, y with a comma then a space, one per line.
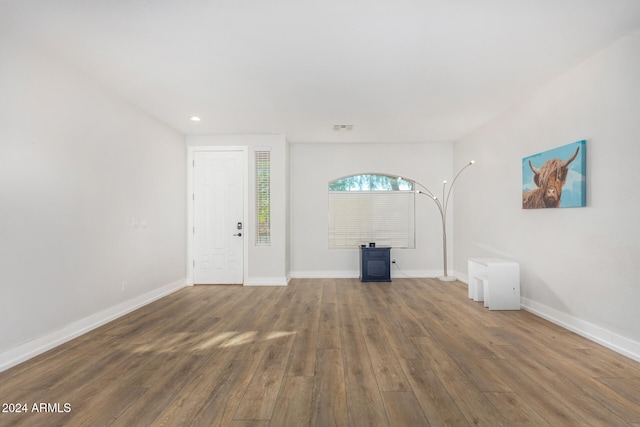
266, 281
463, 277
328, 274
344, 274
396, 273
604, 337
26, 351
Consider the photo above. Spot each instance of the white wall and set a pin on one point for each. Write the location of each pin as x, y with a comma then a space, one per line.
267, 265
314, 165
579, 266
76, 165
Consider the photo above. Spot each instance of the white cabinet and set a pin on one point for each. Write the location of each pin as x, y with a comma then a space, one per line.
496, 282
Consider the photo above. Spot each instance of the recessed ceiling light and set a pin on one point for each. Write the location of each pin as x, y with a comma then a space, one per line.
339, 128
194, 118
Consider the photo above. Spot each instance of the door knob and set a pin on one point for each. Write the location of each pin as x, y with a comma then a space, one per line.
239, 234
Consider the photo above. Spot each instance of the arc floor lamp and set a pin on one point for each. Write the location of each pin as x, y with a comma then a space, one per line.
442, 207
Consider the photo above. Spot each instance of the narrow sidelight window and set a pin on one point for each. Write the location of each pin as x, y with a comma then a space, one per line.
263, 197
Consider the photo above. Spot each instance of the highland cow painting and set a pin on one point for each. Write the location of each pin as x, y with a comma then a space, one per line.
555, 178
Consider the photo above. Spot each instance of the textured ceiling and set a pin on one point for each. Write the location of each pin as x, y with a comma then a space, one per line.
397, 70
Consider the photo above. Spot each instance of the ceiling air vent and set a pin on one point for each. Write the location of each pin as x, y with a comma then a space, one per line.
342, 128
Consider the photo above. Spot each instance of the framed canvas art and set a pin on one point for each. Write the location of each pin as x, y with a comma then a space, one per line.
555, 178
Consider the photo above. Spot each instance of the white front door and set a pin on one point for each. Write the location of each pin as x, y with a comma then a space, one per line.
218, 215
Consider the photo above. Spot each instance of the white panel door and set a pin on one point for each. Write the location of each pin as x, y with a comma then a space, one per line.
218, 212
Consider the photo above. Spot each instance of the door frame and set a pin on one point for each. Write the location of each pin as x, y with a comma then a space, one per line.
191, 150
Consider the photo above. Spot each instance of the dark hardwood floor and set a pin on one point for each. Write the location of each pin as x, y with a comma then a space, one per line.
414, 352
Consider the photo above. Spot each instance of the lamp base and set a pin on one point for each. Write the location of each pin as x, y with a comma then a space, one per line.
447, 278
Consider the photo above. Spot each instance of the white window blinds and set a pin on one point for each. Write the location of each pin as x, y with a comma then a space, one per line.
263, 197
359, 217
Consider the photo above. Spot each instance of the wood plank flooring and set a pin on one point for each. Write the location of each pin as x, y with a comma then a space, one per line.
334, 352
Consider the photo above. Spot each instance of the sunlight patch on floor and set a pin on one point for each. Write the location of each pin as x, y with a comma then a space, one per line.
186, 341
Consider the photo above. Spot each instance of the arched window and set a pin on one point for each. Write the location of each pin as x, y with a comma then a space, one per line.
370, 182
366, 208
